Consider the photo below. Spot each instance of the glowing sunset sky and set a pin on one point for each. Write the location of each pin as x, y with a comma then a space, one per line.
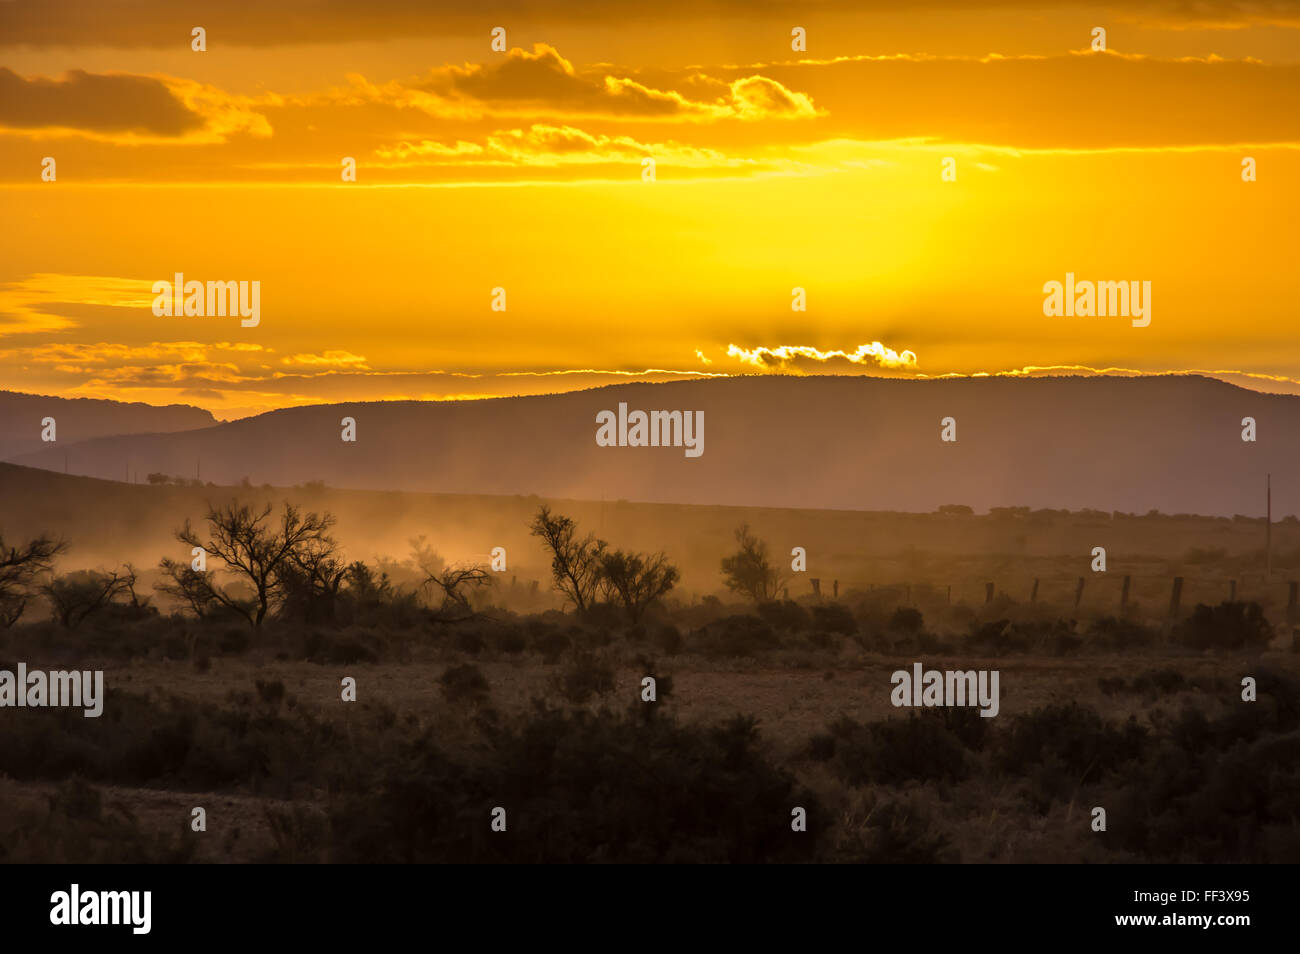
523, 170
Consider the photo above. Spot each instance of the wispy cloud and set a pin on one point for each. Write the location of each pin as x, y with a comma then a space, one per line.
328, 359
38, 302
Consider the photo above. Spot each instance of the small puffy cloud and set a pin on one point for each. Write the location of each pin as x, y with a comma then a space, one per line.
798, 359
757, 97
224, 114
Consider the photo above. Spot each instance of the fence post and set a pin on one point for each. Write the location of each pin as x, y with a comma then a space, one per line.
988, 593
787, 594
817, 587
949, 592
1033, 597
1291, 614
1232, 591
1078, 592
835, 589
1175, 597
1123, 598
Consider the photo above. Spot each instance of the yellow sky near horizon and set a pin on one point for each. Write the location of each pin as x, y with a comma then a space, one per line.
522, 170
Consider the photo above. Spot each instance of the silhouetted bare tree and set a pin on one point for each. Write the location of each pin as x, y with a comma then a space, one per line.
77, 596
259, 553
21, 569
311, 580
188, 585
456, 583
575, 563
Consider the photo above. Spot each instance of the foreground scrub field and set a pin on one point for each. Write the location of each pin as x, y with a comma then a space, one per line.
285, 770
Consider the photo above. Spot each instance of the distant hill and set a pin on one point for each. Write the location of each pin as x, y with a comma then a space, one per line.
80, 419
1171, 443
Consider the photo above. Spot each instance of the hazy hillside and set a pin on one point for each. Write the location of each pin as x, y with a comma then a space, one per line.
110, 522
1133, 444
80, 419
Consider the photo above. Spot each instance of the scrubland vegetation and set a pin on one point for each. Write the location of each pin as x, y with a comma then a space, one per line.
224, 693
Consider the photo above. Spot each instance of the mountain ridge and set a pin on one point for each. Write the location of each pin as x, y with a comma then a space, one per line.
81, 418
1167, 442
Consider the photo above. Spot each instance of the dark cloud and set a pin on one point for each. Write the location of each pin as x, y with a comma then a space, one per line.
110, 103
162, 23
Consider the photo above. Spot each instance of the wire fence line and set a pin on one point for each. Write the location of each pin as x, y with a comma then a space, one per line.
1118, 587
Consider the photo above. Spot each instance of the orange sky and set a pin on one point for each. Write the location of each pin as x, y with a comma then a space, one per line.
775, 169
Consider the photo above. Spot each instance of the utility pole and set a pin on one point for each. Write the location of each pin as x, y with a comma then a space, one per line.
1268, 528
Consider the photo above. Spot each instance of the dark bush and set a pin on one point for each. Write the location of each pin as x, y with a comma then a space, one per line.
1159, 681
551, 644
1217, 791
894, 751
785, 615
1115, 633
272, 693
996, 638
77, 828
668, 640
1061, 747
894, 832
580, 787
175, 646
586, 675
335, 649
235, 640
468, 641
142, 741
1072, 734
510, 640
464, 684
1110, 685
965, 723
1226, 626
834, 618
735, 636
299, 834
907, 621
